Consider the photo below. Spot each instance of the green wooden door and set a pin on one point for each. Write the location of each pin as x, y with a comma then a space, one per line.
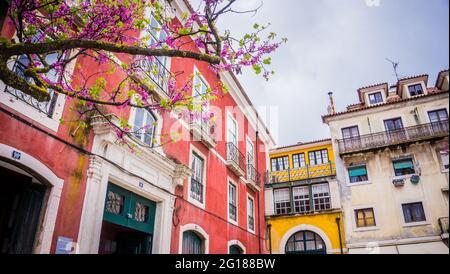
125, 208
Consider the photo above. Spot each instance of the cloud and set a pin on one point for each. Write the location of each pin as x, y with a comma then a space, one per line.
339, 46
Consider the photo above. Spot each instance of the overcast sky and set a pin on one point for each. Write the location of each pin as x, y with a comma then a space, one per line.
339, 46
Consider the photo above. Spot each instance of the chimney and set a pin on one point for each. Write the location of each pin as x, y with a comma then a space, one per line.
331, 108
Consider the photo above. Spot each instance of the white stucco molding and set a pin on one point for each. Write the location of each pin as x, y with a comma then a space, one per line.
143, 171
198, 229
394, 242
305, 227
103, 129
238, 243
45, 232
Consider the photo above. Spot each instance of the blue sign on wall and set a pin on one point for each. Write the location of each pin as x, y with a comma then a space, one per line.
16, 155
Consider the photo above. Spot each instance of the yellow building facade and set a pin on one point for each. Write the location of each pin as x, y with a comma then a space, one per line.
303, 208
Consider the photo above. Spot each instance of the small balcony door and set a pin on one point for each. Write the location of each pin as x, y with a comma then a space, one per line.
351, 138
395, 130
439, 120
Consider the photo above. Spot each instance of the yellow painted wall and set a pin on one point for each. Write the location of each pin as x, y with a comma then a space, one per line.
324, 222
304, 173
306, 150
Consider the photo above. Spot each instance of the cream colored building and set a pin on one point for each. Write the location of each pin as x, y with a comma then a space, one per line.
393, 167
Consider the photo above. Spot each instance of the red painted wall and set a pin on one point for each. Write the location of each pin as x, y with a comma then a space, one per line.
71, 165
214, 218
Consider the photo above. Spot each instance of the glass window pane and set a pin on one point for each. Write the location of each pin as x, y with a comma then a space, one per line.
138, 122
443, 115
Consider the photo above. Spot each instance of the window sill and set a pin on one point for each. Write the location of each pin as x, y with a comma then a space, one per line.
445, 171
417, 224
197, 203
367, 229
51, 123
236, 223
251, 232
359, 183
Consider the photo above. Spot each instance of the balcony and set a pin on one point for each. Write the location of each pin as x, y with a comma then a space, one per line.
157, 73
45, 107
381, 140
443, 224
204, 132
253, 178
301, 174
235, 160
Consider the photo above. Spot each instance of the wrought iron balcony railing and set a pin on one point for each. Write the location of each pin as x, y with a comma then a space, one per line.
235, 159
391, 138
253, 175
46, 107
301, 174
157, 72
196, 190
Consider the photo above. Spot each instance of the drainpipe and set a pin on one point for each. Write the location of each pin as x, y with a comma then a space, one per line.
269, 226
259, 213
338, 222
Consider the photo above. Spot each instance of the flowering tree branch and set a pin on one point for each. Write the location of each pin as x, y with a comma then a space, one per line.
127, 38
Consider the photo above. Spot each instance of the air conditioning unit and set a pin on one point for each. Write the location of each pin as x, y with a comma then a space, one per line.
399, 182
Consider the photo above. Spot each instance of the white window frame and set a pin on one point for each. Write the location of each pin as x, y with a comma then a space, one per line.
18, 105
275, 200
406, 177
249, 197
365, 229
434, 109
347, 174
150, 16
250, 144
424, 89
276, 160
427, 221
155, 140
314, 152
232, 182
300, 163
383, 97
198, 76
329, 197
230, 116
308, 201
193, 201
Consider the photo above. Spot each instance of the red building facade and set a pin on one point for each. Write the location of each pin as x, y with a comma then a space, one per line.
201, 194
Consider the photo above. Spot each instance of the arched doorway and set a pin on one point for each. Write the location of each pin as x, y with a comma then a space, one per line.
236, 250
305, 242
193, 243
21, 209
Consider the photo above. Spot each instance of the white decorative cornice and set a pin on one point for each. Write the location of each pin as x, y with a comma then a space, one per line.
105, 132
182, 172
